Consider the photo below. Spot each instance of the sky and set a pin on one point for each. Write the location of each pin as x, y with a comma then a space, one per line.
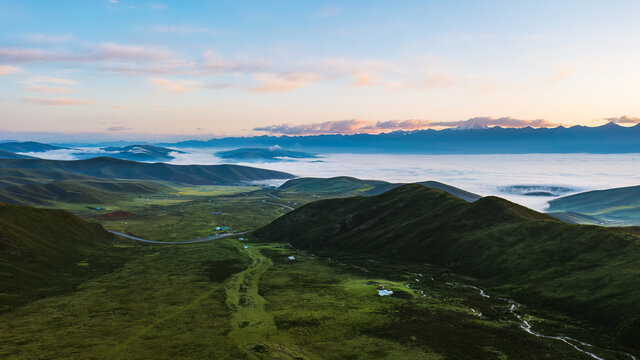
129, 69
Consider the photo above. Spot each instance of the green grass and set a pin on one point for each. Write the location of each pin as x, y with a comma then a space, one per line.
219, 300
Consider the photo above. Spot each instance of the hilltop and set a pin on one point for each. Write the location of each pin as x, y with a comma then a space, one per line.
354, 186
620, 205
27, 146
264, 154
108, 168
512, 250
47, 251
148, 153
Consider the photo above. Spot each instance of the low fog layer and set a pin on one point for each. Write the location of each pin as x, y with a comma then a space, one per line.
482, 174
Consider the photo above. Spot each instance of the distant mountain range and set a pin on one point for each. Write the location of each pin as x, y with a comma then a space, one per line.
586, 271
609, 138
108, 168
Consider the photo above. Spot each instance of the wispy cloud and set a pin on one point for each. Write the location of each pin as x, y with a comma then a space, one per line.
54, 102
8, 70
356, 126
560, 74
175, 86
624, 120
216, 64
183, 29
49, 89
48, 39
51, 80
118, 128
283, 83
101, 52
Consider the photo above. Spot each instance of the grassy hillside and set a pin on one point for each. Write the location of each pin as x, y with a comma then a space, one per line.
620, 205
586, 271
354, 186
77, 191
13, 177
109, 168
571, 217
43, 252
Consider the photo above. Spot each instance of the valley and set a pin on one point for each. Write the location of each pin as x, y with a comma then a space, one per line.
217, 299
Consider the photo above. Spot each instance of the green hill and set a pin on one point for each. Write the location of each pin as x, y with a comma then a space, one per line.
109, 168
13, 177
77, 191
354, 186
46, 251
620, 205
585, 271
577, 218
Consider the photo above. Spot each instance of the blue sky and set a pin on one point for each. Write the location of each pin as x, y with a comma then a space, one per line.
140, 69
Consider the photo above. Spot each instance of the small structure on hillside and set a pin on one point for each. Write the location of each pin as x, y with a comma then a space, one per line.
291, 257
380, 287
246, 247
385, 293
240, 238
217, 228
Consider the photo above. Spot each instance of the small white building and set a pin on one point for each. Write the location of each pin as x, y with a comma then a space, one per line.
291, 257
240, 238
246, 247
385, 292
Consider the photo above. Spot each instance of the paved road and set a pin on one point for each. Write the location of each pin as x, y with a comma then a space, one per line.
198, 240
283, 205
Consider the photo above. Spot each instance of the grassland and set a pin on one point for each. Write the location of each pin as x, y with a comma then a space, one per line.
219, 300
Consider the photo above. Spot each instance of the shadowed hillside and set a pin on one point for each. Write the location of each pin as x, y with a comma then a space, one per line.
109, 168
345, 184
621, 205
587, 271
77, 191
10, 155
27, 146
46, 251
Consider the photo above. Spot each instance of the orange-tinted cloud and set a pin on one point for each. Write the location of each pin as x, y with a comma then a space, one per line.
175, 86
54, 102
8, 70
282, 83
359, 126
624, 120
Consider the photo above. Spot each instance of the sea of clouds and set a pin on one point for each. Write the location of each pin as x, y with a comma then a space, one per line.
481, 174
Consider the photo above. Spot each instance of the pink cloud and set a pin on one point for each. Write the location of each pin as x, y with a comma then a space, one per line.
54, 102
49, 89
8, 70
175, 86
624, 120
283, 83
52, 80
358, 126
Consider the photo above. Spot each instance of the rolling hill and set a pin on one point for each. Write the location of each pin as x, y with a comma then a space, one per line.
77, 191
354, 186
620, 205
27, 146
108, 168
9, 155
13, 177
586, 271
46, 251
148, 153
264, 154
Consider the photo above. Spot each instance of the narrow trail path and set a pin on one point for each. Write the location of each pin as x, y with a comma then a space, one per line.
253, 328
